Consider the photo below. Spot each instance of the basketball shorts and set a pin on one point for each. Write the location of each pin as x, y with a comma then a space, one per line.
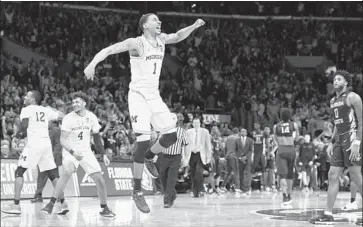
37, 153
285, 161
145, 112
89, 162
259, 161
341, 152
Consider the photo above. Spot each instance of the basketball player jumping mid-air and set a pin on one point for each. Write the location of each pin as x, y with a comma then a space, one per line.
145, 104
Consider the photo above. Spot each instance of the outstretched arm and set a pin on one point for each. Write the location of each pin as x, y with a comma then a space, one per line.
182, 33
131, 44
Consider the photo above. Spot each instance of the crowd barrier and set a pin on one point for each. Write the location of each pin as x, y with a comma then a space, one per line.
118, 177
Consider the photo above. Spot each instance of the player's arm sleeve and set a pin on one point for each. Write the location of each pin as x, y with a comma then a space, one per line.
178, 36
24, 117
126, 45
355, 102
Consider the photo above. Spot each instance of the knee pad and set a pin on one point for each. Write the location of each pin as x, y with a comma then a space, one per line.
53, 174
166, 140
19, 172
141, 148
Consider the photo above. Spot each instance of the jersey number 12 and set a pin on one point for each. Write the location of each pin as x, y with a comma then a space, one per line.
40, 116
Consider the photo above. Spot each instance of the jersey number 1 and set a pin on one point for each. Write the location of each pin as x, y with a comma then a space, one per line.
154, 68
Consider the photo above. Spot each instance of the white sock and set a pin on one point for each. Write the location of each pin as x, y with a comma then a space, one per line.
328, 213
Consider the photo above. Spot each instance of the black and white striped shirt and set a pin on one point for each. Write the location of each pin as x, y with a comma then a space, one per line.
176, 148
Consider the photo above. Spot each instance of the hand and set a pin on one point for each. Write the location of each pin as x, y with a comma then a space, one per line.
198, 23
106, 160
311, 163
354, 151
89, 72
300, 164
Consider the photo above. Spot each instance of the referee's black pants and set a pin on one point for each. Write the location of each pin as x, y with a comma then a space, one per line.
169, 167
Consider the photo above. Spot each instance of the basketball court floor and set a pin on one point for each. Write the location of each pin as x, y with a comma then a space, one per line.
260, 209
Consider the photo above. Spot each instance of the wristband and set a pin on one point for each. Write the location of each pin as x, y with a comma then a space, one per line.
71, 151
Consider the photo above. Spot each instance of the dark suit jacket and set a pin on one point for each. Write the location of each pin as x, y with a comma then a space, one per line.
245, 151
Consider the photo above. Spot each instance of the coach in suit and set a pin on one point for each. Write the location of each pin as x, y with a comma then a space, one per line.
244, 154
198, 153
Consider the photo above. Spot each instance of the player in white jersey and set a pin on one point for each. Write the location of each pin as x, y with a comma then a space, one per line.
76, 131
145, 104
38, 151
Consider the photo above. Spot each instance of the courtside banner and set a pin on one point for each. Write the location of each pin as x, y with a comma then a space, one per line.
119, 180
8, 167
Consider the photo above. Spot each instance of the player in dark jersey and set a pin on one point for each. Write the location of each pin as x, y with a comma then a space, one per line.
286, 132
346, 108
259, 156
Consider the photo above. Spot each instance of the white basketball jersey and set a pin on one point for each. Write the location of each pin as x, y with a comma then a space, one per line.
145, 70
80, 129
39, 117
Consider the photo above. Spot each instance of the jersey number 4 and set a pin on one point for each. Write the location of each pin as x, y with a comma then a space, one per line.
80, 136
40, 116
285, 129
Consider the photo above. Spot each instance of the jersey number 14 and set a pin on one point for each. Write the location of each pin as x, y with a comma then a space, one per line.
285, 129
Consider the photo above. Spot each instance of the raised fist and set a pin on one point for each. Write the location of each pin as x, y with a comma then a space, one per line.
198, 23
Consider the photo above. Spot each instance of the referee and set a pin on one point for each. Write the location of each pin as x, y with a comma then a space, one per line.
170, 160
